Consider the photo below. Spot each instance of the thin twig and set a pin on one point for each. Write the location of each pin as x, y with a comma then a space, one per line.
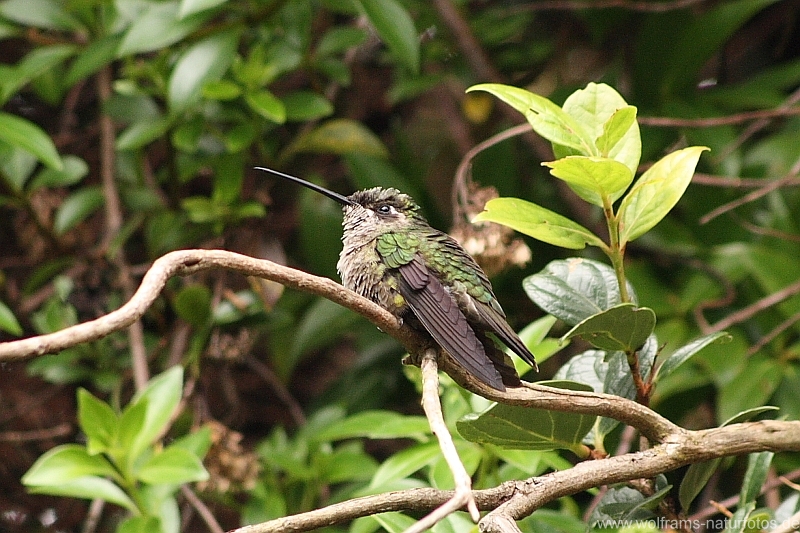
630, 5
463, 483
203, 510
710, 122
17, 437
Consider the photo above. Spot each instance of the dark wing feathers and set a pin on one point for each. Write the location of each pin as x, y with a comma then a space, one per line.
497, 325
439, 314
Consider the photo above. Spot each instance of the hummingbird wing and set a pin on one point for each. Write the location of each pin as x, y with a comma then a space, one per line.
439, 313
497, 324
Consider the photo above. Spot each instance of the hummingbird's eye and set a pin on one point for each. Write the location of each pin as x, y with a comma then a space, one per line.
385, 209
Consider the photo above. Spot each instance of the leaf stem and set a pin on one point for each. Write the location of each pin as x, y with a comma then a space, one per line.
615, 252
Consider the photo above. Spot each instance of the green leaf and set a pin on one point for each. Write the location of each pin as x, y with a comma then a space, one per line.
396, 28
595, 108
623, 327
267, 105
594, 179
89, 488
193, 304
190, 7
698, 474
157, 26
339, 39
173, 466
738, 521
38, 64
221, 90
47, 14
131, 421
537, 222
376, 425
625, 505
303, 106
76, 207
74, 170
404, 463
684, 353
206, 60
751, 387
140, 524
755, 476
574, 289
393, 522
696, 477
98, 421
546, 118
143, 132
22, 133
656, 192
162, 396
8, 322
66, 463
95, 56
339, 136
515, 427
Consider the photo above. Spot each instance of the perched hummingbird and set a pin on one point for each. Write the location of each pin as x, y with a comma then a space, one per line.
392, 256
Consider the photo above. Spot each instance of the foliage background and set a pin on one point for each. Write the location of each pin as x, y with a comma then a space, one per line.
159, 109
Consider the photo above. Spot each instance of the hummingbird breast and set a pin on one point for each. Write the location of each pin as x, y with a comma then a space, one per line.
363, 272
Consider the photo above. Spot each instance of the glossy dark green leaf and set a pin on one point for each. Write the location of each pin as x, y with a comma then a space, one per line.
76, 207
755, 476
206, 60
624, 327
98, 421
396, 28
173, 466
193, 304
22, 133
517, 427
306, 105
751, 387
574, 289
684, 353
538, 222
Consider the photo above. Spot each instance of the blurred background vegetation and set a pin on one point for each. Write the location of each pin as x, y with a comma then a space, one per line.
129, 128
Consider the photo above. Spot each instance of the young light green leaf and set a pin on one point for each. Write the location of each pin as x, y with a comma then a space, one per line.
656, 192
623, 327
392, 522
396, 28
22, 133
47, 14
338, 136
76, 208
95, 56
684, 353
595, 107
267, 105
546, 118
98, 421
595, 179
306, 105
75, 169
173, 466
66, 463
162, 396
140, 524
157, 26
538, 222
574, 289
206, 60
515, 427
89, 488
8, 322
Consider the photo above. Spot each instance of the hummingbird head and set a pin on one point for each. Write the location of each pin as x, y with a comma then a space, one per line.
370, 212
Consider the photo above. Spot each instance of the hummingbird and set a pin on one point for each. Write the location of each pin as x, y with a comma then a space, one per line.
392, 256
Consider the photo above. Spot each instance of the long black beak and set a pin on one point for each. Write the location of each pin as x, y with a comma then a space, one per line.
344, 200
